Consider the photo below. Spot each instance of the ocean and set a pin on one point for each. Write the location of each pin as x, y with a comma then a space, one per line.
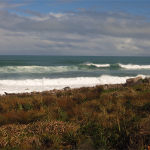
40, 73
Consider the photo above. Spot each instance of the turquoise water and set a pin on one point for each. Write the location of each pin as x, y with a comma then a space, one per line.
48, 72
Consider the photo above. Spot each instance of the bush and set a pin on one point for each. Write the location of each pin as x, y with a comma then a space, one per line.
146, 107
96, 133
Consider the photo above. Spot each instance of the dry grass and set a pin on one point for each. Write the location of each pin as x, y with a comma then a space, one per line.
101, 119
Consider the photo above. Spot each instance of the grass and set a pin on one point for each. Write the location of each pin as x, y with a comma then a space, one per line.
83, 118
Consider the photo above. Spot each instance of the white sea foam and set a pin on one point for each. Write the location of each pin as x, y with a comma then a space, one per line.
53, 69
37, 69
131, 66
18, 86
128, 66
97, 65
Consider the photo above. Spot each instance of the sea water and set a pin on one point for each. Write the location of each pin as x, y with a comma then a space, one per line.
39, 73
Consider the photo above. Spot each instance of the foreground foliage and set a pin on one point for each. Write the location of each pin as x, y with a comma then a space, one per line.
84, 118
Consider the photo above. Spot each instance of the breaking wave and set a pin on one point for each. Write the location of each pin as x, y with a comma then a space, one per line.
131, 66
97, 65
37, 69
119, 65
80, 67
18, 86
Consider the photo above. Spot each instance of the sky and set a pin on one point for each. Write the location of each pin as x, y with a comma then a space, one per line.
75, 27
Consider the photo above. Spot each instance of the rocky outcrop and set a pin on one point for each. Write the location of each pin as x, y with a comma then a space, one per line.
129, 82
133, 81
112, 86
139, 82
67, 88
146, 80
10, 93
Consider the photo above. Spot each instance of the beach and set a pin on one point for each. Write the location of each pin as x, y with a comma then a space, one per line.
21, 74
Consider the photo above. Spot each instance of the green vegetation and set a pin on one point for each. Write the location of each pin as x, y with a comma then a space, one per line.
84, 118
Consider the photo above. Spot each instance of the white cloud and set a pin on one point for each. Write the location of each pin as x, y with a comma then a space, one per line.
82, 33
9, 5
61, 2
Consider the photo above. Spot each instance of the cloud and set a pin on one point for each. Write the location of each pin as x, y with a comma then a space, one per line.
33, 13
81, 9
83, 23
74, 33
4, 5
60, 2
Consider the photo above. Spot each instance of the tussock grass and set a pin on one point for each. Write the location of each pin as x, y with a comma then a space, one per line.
77, 119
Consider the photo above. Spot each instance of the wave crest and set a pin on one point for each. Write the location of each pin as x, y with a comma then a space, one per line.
131, 66
37, 69
97, 65
18, 86
80, 67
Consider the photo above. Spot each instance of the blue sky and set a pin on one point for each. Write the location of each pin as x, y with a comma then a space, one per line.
57, 6
75, 27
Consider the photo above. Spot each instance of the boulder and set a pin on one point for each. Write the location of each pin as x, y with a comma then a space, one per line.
124, 84
138, 90
6, 93
148, 80
139, 82
55, 90
67, 88
105, 87
34, 92
10, 93
52, 92
44, 92
130, 81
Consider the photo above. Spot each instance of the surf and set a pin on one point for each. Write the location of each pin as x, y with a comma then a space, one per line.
19, 86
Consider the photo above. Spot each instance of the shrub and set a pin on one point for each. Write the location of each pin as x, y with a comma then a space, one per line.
91, 95
49, 101
34, 116
128, 104
70, 138
17, 117
79, 98
37, 103
99, 88
97, 134
146, 107
50, 141
26, 106
59, 93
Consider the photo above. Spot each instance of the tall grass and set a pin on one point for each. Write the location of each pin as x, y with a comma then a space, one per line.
77, 119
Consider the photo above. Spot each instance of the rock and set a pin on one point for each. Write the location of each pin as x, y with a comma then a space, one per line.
138, 90
139, 82
130, 81
55, 90
10, 93
51, 92
108, 86
6, 93
105, 87
112, 86
85, 146
34, 92
45, 92
147, 80
67, 88
125, 84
